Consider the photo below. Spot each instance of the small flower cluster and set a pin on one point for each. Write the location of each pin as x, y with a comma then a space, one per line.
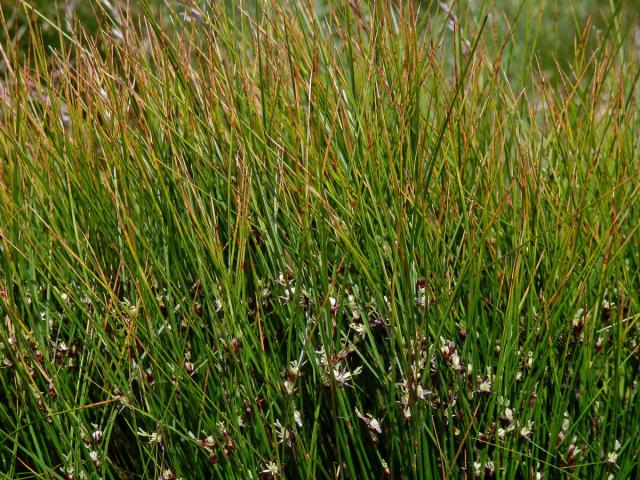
270, 470
93, 443
411, 389
334, 370
372, 423
484, 469
212, 443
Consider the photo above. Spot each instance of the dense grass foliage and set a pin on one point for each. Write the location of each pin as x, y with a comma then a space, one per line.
322, 240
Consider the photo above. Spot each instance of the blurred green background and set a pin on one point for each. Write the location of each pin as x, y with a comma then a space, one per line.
541, 31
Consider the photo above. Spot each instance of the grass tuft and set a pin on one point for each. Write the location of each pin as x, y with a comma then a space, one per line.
320, 239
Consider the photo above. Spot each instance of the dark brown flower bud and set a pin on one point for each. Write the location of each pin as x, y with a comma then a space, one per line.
236, 344
598, 345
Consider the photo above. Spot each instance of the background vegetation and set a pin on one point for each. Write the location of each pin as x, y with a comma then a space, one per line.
319, 240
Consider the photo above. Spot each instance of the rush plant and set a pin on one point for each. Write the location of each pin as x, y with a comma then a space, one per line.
321, 239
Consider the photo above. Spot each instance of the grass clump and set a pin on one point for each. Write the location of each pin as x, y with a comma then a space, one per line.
321, 240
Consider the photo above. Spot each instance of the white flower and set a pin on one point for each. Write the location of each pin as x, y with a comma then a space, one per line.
355, 310
359, 328
167, 474
612, 458
454, 361
370, 421
288, 294
218, 306
485, 387
289, 387
294, 369
342, 375
421, 298
529, 361
508, 415
297, 417
577, 317
527, 430
448, 348
154, 437
322, 361
374, 424
133, 308
97, 436
407, 413
566, 423
271, 469
283, 433
421, 393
